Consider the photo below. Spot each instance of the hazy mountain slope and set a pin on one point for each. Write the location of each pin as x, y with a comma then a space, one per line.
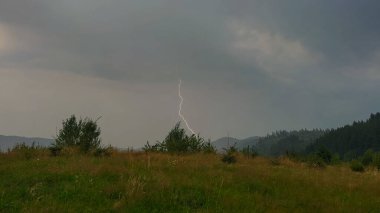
8, 142
225, 142
279, 142
251, 141
275, 144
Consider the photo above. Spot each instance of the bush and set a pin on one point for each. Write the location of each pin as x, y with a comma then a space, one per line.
367, 157
356, 166
229, 159
83, 134
178, 142
376, 160
208, 148
335, 159
324, 154
230, 155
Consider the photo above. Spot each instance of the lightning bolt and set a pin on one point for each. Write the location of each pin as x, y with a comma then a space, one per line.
180, 108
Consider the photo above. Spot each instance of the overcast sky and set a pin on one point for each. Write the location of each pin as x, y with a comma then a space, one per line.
248, 67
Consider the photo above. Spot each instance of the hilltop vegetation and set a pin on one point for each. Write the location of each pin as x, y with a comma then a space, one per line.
280, 142
178, 142
353, 140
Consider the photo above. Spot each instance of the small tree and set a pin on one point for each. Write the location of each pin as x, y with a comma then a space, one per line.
324, 154
82, 133
230, 154
176, 140
356, 166
367, 157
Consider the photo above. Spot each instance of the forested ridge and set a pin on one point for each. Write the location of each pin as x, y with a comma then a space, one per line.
352, 140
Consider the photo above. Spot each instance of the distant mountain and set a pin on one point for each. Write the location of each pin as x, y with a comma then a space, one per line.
251, 141
225, 142
274, 144
8, 142
280, 142
352, 140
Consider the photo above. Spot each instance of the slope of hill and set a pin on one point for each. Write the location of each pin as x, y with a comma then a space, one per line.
8, 142
351, 140
225, 142
279, 142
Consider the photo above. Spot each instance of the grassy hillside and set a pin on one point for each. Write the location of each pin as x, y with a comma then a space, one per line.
139, 182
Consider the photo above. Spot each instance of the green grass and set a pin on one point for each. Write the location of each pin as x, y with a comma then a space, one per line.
139, 182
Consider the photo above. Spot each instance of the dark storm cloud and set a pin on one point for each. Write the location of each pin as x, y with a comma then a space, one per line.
291, 64
116, 39
344, 31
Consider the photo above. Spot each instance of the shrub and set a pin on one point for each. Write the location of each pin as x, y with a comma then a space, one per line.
324, 154
367, 157
376, 160
335, 159
356, 166
83, 134
208, 148
230, 155
178, 142
229, 159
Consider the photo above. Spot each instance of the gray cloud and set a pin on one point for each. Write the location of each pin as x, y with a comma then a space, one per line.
249, 67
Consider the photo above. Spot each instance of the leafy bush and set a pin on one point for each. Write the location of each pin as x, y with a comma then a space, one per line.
83, 134
356, 166
178, 142
324, 154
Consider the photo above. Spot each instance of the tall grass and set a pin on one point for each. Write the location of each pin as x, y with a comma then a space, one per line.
157, 182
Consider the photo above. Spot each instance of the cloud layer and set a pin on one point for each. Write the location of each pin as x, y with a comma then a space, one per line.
248, 67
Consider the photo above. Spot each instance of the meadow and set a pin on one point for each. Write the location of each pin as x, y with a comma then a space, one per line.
156, 182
